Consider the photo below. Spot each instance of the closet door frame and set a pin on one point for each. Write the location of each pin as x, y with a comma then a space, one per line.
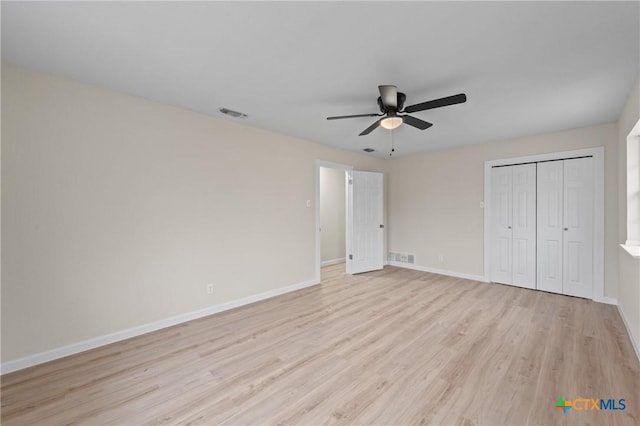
598, 214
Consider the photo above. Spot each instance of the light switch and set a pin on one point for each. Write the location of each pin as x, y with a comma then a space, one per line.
308, 203
482, 204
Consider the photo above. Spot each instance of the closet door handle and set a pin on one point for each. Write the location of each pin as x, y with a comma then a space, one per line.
566, 229
509, 227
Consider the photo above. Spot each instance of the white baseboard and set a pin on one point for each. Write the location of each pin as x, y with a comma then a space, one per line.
333, 261
438, 271
42, 357
634, 343
607, 300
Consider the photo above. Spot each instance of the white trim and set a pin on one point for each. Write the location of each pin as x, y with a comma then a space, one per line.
598, 219
487, 220
633, 250
348, 181
598, 223
347, 169
634, 343
606, 300
546, 157
437, 271
333, 261
74, 348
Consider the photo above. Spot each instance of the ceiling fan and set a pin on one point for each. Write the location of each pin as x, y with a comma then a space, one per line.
391, 103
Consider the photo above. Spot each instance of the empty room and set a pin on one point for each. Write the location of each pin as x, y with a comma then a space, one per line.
270, 213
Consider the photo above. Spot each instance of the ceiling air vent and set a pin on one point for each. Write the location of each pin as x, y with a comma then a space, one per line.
231, 113
368, 150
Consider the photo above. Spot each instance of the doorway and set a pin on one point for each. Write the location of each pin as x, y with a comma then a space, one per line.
331, 173
364, 227
333, 216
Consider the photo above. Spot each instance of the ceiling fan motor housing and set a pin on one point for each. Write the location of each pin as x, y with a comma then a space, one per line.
401, 98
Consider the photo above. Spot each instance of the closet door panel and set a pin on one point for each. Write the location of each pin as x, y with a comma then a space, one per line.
501, 215
549, 246
578, 227
524, 226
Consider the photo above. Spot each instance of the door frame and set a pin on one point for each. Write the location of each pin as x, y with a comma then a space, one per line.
598, 213
348, 209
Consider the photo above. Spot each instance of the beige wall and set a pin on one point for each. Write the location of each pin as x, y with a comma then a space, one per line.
118, 211
434, 199
629, 268
332, 214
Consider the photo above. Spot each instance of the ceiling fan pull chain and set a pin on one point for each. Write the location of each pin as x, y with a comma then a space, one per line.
393, 149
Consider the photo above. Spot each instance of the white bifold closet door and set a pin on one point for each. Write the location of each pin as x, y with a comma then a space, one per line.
513, 225
550, 200
565, 227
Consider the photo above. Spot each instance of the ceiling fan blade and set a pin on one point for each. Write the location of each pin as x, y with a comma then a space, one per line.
389, 96
370, 128
415, 122
339, 117
438, 103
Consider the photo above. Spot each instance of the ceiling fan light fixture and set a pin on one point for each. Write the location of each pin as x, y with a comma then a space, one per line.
391, 123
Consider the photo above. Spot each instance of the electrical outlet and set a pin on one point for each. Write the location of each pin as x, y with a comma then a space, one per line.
441, 258
210, 289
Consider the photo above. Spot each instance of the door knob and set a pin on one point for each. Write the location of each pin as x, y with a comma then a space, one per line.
566, 229
509, 227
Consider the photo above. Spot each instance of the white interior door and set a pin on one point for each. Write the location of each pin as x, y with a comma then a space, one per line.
549, 218
578, 227
367, 248
524, 226
502, 233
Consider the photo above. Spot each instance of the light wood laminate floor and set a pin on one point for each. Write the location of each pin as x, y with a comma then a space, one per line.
389, 347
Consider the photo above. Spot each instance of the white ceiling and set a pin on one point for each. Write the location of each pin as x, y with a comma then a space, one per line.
526, 67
